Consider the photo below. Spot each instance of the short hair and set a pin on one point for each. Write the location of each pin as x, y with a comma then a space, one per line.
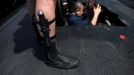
77, 5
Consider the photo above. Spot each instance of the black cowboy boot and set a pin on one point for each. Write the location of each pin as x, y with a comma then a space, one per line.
55, 59
51, 55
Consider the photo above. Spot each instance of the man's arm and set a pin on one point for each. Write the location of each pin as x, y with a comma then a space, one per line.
97, 11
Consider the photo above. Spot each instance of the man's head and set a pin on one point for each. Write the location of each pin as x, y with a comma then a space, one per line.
78, 8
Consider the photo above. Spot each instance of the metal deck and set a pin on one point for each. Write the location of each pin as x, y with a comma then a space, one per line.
99, 49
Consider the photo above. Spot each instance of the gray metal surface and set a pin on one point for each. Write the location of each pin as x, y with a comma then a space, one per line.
129, 3
99, 48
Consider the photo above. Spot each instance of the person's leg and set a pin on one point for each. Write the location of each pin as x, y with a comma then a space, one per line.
52, 58
48, 7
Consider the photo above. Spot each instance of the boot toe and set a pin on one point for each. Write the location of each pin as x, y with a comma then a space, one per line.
72, 62
63, 62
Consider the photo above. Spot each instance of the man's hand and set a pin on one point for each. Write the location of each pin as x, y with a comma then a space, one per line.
97, 10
